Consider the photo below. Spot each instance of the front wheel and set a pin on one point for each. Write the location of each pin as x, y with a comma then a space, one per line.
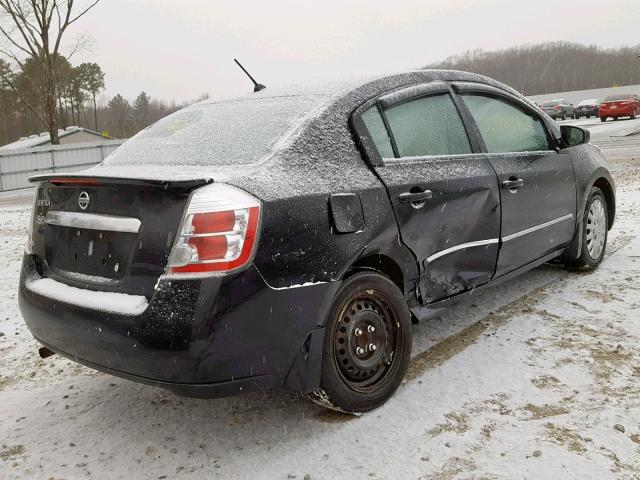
564, 115
603, 119
594, 232
633, 115
367, 345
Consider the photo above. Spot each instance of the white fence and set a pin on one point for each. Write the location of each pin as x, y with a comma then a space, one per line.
16, 166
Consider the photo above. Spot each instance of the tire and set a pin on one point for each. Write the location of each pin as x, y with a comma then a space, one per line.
633, 115
564, 115
355, 378
594, 232
603, 119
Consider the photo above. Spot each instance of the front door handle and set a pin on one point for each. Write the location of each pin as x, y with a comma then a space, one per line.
513, 183
415, 197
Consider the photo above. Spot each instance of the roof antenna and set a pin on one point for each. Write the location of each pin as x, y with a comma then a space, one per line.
257, 86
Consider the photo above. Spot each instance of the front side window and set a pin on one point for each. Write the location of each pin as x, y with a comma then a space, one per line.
378, 132
428, 126
505, 127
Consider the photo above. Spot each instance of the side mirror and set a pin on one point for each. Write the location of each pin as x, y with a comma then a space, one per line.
572, 136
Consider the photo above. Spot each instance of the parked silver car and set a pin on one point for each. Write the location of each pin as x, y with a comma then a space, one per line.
558, 109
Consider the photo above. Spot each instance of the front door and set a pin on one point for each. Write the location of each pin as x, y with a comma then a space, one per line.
445, 196
537, 184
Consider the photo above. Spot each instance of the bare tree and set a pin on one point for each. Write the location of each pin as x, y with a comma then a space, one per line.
34, 29
92, 81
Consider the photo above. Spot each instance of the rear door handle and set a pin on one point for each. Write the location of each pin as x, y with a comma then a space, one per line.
415, 197
512, 183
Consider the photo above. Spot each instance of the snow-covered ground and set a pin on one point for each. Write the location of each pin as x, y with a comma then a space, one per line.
537, 378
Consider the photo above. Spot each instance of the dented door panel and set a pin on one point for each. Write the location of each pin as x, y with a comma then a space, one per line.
454, 234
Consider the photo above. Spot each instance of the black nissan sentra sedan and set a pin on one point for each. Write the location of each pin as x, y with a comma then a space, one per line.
290, 238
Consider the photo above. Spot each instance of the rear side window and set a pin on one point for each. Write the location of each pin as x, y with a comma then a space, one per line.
378, 132
506, 128
428, 126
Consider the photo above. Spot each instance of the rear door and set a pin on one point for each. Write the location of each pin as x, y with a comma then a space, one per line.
537, 183
444, 193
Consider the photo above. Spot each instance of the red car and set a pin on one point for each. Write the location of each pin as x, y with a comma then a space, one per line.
621, 105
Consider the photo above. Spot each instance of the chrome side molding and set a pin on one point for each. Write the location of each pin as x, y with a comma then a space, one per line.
462, 246
537, 227
92, 221
491, 241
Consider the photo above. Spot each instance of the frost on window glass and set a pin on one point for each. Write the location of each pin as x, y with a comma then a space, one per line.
234, 132
378, 132
428, 126
506, 128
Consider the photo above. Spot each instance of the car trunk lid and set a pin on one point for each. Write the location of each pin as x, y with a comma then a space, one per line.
112, 234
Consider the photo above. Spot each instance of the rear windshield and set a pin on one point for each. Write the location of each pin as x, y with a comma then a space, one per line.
551, 103
234, 132
592, 101
616, 98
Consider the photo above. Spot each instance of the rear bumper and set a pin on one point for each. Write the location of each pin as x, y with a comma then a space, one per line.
618, 112
199, 337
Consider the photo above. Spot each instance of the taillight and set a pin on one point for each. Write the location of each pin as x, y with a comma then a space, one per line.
218, 233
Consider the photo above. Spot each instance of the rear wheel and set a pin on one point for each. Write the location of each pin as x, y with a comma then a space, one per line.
564, 115
367, 345
594, 232
633, 115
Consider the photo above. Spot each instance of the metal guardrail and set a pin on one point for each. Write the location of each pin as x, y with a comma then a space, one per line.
16, 166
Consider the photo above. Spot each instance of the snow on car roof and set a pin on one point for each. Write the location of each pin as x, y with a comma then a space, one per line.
225, 138
229, 131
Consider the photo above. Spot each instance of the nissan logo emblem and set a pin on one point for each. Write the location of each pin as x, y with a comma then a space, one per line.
84, 200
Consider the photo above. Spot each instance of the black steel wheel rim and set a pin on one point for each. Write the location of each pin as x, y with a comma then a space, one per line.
366, 340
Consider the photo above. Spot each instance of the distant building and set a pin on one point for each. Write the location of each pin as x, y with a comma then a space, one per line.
67, 136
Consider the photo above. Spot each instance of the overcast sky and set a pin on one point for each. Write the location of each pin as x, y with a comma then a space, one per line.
179, 49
